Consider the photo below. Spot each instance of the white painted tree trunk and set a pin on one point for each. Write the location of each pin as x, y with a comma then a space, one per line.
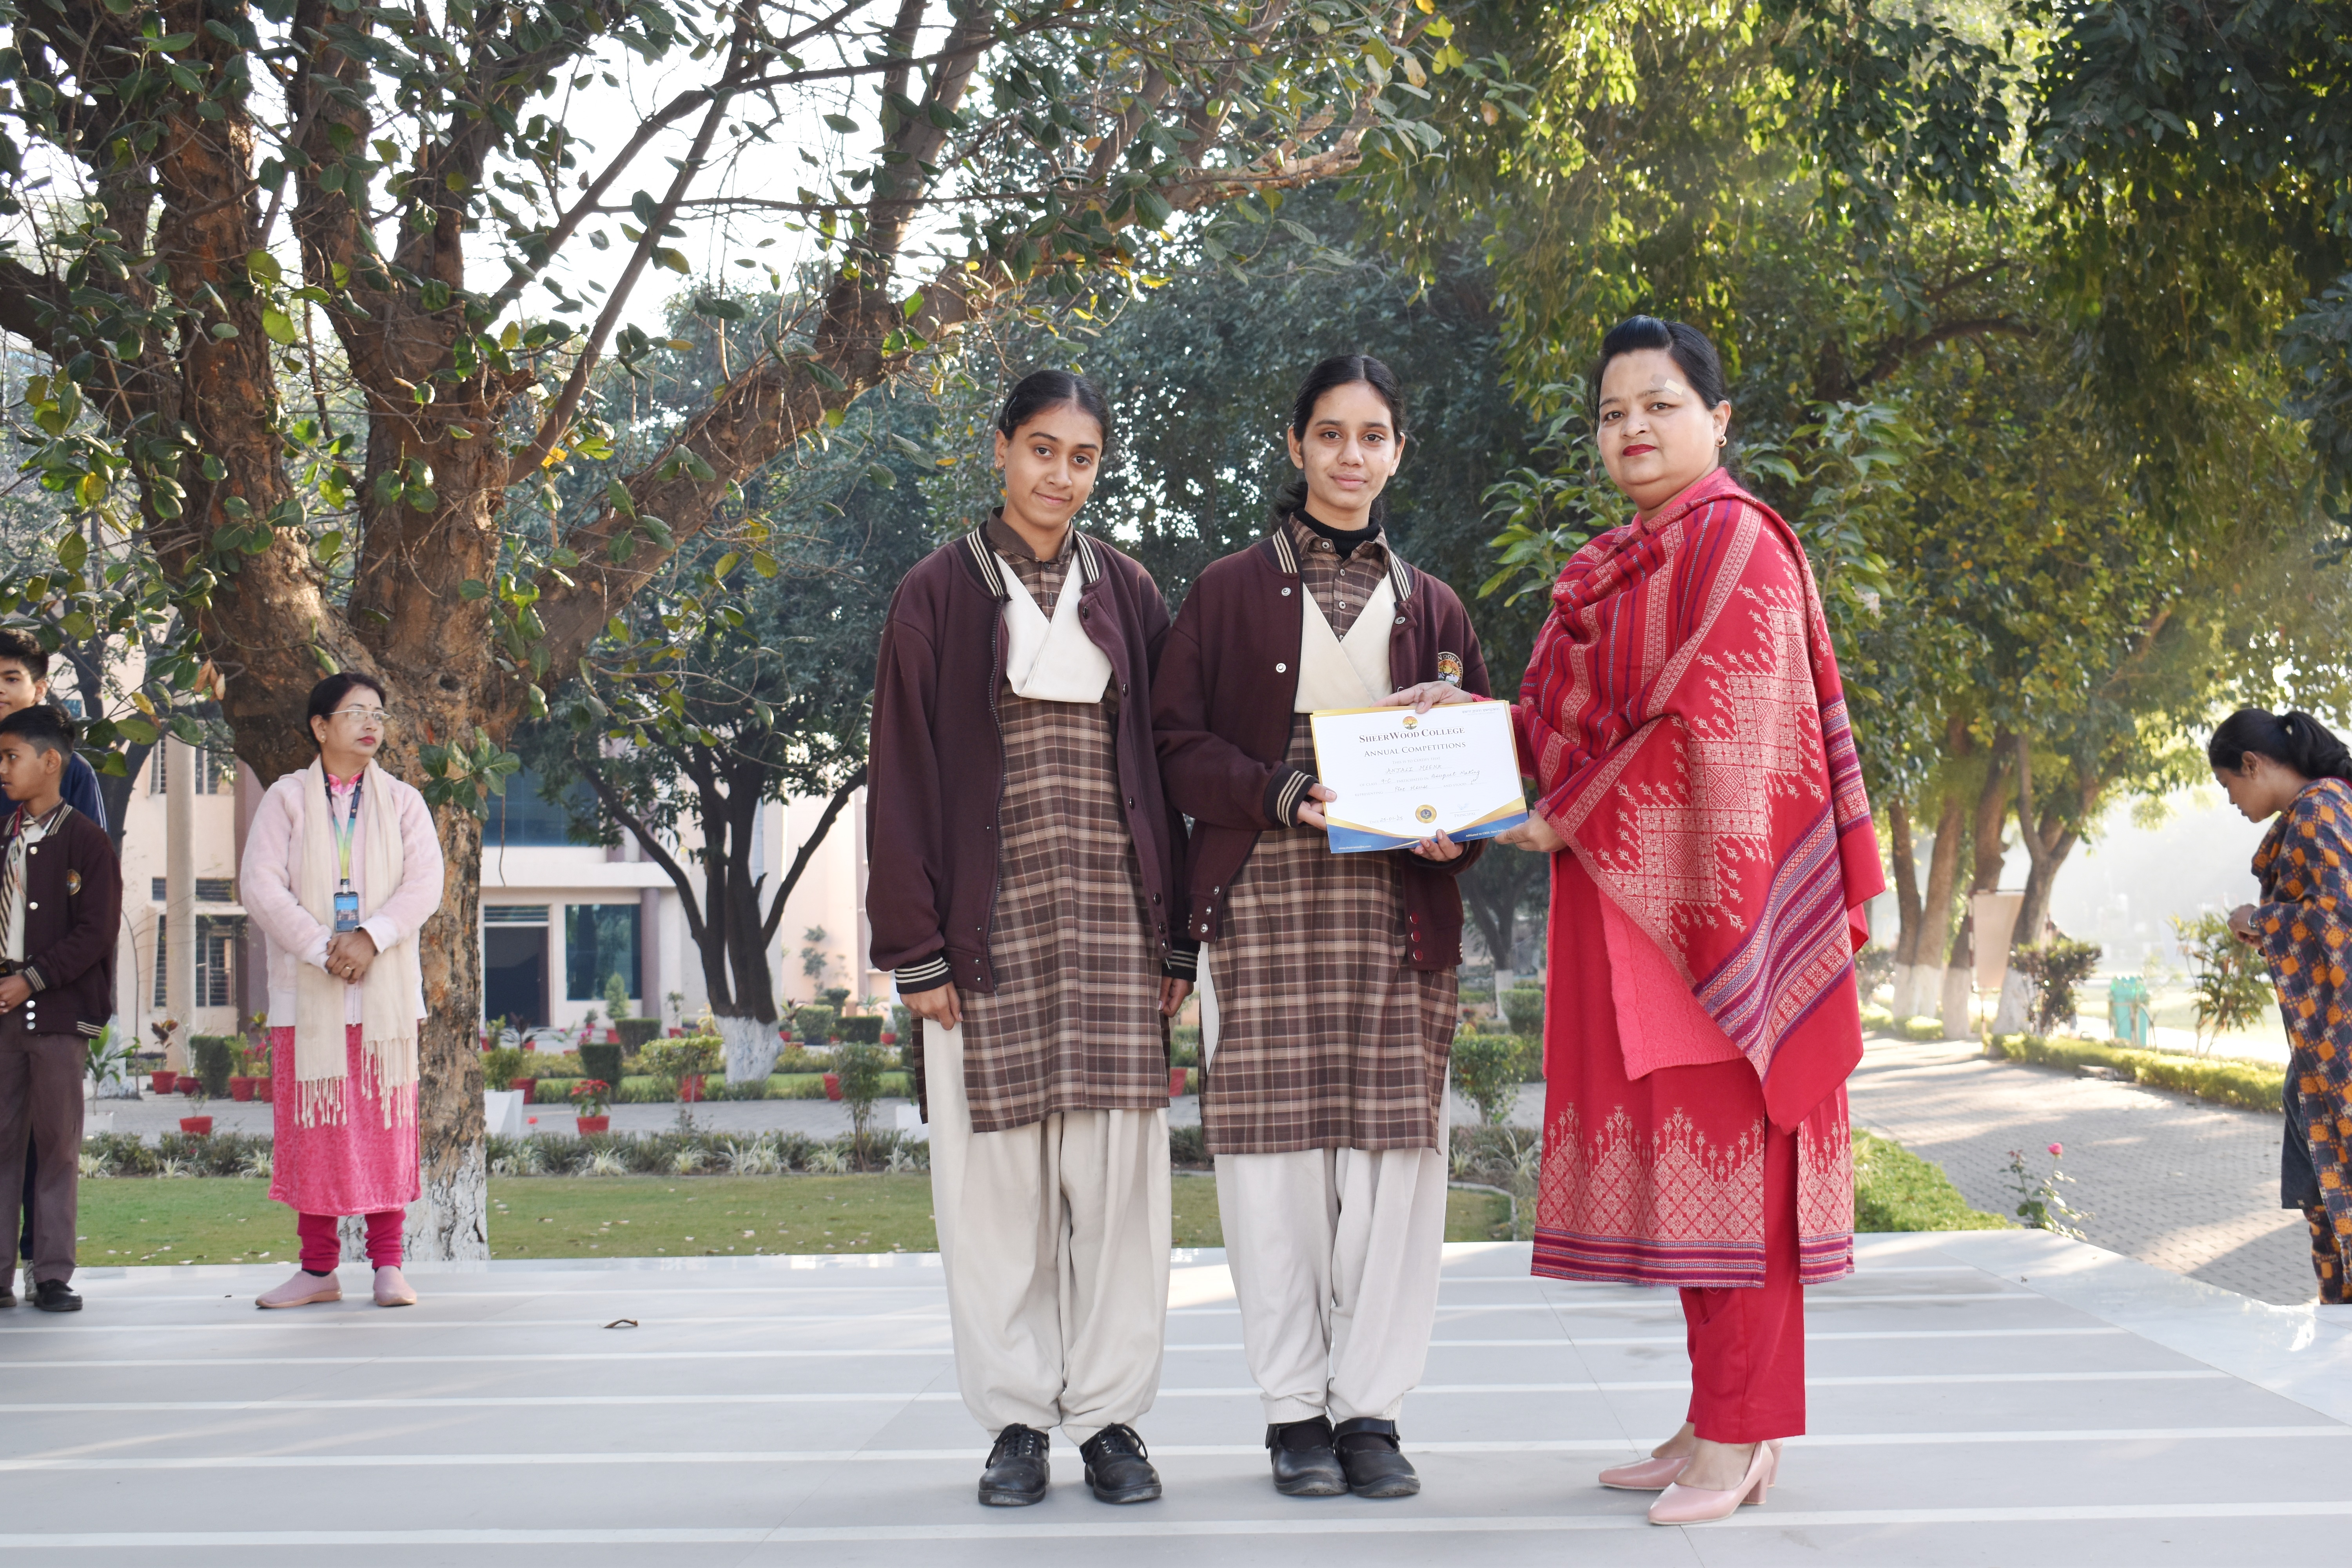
2016, 1002
1957, 985
1905, 1001
448, 1223
1503, 980
750, 1047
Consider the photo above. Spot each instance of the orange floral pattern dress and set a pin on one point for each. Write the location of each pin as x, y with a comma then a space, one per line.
2304, 928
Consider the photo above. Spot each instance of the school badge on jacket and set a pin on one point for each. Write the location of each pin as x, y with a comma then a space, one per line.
1449, 668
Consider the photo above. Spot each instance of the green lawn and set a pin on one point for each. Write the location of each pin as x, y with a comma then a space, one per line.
1893, 1189
229, 1219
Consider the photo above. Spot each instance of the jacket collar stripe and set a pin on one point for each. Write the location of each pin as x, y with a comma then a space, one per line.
983, 561
1284, 556
992, 576
1402, 577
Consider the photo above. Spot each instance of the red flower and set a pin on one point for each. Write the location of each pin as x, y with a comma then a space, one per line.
2056, 1150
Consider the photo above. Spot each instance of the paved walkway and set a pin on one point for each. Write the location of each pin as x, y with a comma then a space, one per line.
1976, 1398
2176, 1181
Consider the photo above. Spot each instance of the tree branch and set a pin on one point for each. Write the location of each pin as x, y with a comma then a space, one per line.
833, 807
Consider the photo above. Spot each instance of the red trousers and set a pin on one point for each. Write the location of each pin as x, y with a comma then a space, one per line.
321, 1251
1747, 1347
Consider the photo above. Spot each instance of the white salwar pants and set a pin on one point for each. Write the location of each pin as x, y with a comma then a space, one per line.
1335, 1255
1054, 1238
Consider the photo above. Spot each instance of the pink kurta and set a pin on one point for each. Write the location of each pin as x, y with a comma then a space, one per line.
359, 1165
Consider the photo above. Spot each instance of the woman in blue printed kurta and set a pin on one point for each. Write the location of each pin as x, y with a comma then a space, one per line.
2290, 767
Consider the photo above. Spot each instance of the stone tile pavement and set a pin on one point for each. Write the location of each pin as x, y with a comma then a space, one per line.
2176, 1181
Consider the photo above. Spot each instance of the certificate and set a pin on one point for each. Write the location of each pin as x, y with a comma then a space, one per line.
1401, 776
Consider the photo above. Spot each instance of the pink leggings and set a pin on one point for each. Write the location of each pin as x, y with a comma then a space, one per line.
320, 1251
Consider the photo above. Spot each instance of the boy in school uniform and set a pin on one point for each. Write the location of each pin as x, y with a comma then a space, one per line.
60, 902
25, 680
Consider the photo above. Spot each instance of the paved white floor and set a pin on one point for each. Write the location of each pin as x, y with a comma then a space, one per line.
1982, 1398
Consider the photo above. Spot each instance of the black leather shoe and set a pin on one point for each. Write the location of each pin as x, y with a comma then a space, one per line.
1118, 1467
1376, 1466
7, 1292
1304, 1463
56, 1296
1017, 1470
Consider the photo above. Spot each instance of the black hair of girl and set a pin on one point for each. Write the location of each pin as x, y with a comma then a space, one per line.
1693, 355
329, 694
2295, 740
1041, 390
1339, 369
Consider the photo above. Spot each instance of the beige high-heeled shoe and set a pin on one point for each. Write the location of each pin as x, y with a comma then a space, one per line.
1651, 1475
1679, 1504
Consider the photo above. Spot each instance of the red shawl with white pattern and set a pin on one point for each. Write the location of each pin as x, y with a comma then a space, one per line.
1684, 717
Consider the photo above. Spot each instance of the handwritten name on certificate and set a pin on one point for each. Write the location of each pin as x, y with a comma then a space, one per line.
1401, 776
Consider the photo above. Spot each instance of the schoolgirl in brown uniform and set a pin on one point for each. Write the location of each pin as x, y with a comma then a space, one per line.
1332, 975
1024, 886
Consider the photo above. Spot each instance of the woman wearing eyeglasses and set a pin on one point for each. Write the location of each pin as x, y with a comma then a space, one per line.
342, 866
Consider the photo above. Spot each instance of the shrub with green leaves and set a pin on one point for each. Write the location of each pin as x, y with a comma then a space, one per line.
2054, 970
1486, 1071
1524, 1007
814, 1023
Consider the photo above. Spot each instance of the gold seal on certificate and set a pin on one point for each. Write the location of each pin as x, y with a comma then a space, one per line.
1402, 776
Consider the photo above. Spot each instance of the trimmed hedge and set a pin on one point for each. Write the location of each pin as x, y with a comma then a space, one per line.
640, 1089
2224, 1080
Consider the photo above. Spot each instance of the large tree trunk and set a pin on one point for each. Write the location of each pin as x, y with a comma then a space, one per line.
1906, 901
1932, 958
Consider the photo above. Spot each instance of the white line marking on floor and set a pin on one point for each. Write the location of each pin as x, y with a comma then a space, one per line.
183, 1540
1174, 1450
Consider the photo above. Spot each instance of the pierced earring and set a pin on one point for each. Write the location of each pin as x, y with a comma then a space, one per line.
1719, 440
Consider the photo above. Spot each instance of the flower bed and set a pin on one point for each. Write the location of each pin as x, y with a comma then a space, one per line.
2224, 1081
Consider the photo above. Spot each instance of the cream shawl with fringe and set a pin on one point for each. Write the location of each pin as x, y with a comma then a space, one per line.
387, 996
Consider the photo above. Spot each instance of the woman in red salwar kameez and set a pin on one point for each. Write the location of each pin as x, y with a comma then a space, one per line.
1711, 852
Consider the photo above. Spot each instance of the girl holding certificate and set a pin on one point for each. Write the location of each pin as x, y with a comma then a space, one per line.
1334, 982
1023, 888
1711, 852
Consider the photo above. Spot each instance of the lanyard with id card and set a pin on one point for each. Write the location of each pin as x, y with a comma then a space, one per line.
347, 902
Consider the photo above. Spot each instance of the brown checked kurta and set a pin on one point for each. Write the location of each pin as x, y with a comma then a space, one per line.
1326, 1040
1074, 1022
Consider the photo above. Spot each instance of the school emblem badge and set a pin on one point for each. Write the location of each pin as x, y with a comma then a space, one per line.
1449, 668
73, 882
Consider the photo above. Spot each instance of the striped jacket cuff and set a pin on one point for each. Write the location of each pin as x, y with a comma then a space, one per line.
1284, 793
924, 974
33, 978
1183, 962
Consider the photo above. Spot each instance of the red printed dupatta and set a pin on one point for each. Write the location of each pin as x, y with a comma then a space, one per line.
1684, 716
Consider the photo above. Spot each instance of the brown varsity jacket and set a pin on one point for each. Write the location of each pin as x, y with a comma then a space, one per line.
73, 906
1222, 713
935, 762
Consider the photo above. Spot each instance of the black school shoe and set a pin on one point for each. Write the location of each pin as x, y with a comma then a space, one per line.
1376, 1466
56, 1296
1118, 1467
1304, 1463
1017, 1470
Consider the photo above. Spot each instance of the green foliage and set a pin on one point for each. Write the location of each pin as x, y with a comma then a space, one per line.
2249, 1085
1486, 1071
1524, 1007
867, 1027
2056, 968
502, 1064
1895, 1189
604, 1061
814, 1022
2232, 980
862, 1067
670, 1061
616, 997
213, 1062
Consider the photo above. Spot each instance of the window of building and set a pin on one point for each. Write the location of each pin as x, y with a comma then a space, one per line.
215, 772
599, 941
519, 818
217, 943
209, 889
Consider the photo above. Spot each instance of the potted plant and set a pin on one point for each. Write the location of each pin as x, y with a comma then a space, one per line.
590, 1098
242, 1080
502, 1068
1179, 1080
165, 1079
196, 1121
